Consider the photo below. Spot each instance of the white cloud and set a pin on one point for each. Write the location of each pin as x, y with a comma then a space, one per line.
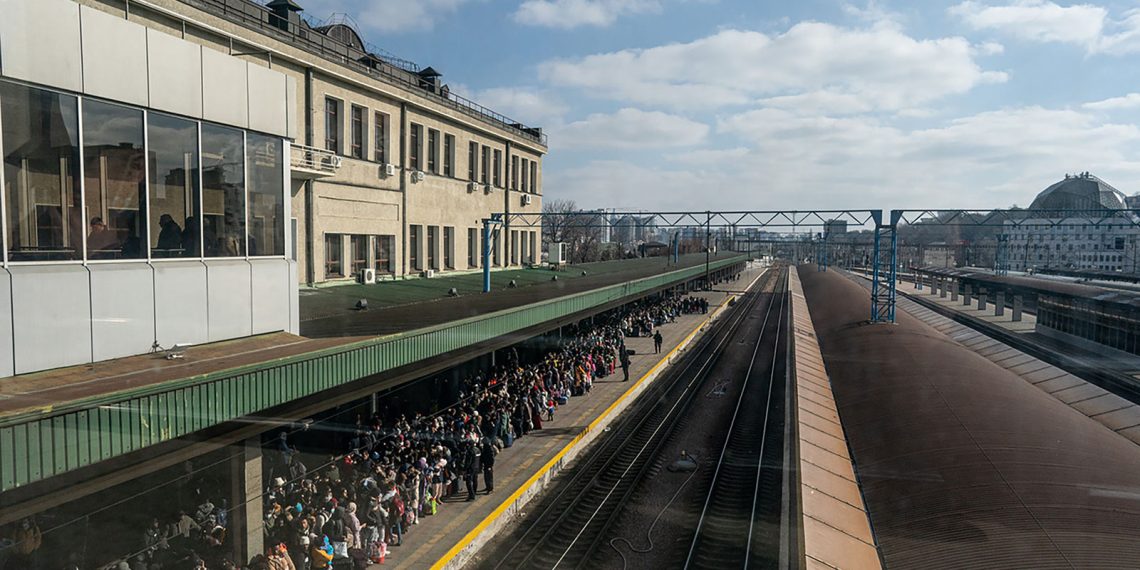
1129, 101
388, 15
532, 107
629, 129
881, 67
989, 159
1086, 25
568, 14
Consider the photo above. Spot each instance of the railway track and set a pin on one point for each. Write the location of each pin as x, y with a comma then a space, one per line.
739, 524
571, 523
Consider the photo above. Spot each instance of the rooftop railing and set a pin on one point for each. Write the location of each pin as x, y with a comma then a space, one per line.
389, 69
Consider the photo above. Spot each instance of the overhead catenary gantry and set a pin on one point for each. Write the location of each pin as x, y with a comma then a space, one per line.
885, 228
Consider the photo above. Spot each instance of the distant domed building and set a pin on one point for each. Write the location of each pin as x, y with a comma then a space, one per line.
1079, 192
1041, 241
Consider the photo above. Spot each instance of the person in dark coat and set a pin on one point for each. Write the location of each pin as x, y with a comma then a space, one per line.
657, 340
624, 356
473, 465
488, 461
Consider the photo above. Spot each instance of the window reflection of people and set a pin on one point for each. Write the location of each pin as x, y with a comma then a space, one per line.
101, 242
170, 237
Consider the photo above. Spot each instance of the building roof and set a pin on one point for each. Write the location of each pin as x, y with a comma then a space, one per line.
1080, 192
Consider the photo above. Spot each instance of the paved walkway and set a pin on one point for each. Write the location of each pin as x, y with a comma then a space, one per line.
432, 539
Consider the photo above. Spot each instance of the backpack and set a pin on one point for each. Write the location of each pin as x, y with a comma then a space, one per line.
334, 528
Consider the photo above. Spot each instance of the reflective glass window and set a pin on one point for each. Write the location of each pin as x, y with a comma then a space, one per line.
223, 191
114, 173
266, 195
172, 147
41, 174
382, 247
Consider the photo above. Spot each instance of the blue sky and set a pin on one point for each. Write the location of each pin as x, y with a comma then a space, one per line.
745, 104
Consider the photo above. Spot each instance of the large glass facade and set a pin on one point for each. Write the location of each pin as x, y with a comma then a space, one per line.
41, 174
174, 192
223, 191
266, 195
58, 194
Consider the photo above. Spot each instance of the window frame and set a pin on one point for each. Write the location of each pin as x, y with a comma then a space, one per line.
415, 141
380, 136
333, 109
358, 135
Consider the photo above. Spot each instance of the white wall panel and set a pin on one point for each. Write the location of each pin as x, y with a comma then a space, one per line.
7, 368
292, 127
52, 310
52, 27
225, 98
294, 299
175, 74
229, 299
267, 95
122, 309
180, 302
271, 295
114, 57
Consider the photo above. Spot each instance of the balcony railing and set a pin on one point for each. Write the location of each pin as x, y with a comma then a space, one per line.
308, 162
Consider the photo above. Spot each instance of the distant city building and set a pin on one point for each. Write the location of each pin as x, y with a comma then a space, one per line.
940, 255
833, 228
1046, 241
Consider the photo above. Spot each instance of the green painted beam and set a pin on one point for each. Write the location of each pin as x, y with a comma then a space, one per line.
43, 443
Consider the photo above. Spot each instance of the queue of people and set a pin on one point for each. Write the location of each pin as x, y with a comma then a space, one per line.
352, 509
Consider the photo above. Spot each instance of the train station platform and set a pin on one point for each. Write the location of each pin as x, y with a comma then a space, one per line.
82, 427
452, 538
966, 458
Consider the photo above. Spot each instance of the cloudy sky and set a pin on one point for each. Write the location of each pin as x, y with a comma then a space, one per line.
749, 104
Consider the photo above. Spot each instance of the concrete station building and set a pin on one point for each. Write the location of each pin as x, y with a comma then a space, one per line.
178, 168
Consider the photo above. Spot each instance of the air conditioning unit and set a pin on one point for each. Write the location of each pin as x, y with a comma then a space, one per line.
487, 188
472, 187
418, 176
366, 276
333, 161
429, 273
526, 199
388, 170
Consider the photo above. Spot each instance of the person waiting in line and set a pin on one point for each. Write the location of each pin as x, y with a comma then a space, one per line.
102, 243
488, 460
624, 363
170, 237
657, 340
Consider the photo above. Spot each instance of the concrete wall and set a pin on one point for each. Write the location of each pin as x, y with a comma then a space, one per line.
71, 314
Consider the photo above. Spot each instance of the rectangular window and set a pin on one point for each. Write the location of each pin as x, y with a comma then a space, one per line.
472, 151
358, 127
524, 188
448, 247
534, 177
174, 197
380, 139
414, 150
514, 172
223, 191
533, 245
432, 241
266, 195
41, 175
358, 249
414, 247
449, 156
514, 247
498, 168
382, 247
473, 247
334, 266
113, 171
433, 151
332, 125
486, 163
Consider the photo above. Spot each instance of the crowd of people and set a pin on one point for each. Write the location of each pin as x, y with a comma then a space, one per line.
351, 509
